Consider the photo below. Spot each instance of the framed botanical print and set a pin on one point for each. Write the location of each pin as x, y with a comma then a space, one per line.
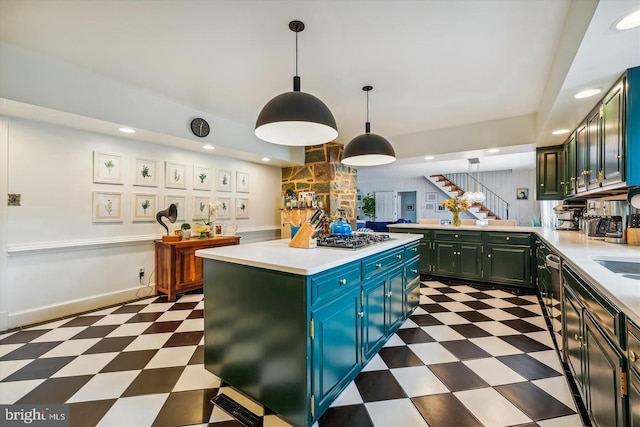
145, 173
242, 182
225, 208
181, 205
224, 181
201, 209
107, 207
242, 208
202, 177
107, 168
145, 207
175, 175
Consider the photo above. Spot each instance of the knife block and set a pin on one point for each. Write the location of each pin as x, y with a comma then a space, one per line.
303, 238
633, 236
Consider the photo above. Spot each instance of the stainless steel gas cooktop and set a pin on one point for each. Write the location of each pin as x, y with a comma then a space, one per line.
354, 241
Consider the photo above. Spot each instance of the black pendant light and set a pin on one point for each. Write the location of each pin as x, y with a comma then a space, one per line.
296, 118
368, 149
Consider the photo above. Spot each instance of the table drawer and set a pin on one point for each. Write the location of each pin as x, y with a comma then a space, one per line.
509, 238
458, 236
379, 263
327, 285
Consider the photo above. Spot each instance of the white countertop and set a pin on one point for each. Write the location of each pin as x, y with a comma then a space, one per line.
277, 255
579, 252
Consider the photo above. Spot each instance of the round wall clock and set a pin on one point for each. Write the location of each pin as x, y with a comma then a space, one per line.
200, 127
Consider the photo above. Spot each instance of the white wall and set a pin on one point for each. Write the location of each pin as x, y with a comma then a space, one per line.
58, 261
504, 183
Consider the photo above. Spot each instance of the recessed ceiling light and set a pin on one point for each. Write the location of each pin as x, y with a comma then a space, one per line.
208, 147
265, 159
428, 157
631, 20
587, 93
493, 150
560, 132
127, 130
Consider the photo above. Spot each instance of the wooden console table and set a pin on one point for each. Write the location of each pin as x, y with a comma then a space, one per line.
178, 270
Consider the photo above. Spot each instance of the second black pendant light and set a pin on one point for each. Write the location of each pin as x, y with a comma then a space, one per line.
368, 149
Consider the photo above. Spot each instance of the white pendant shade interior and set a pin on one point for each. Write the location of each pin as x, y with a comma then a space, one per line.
296, 118
471, 196
368, 149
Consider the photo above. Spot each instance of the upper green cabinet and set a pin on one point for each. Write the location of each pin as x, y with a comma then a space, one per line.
570, 174
613, 122
550, 173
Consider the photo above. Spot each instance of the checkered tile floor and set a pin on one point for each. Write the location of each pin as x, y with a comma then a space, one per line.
467, 357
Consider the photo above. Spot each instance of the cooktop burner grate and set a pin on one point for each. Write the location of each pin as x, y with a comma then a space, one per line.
355, 241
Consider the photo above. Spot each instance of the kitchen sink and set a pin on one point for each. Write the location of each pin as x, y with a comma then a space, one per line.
626, 267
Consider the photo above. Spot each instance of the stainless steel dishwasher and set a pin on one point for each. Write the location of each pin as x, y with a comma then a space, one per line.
553, 300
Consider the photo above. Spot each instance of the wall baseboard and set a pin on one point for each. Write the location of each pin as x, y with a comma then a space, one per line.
72, 308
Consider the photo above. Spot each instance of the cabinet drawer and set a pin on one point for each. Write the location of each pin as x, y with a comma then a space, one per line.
327, 285
508, 238
633, 345
412, 250
412, 272
379, 263
458, 236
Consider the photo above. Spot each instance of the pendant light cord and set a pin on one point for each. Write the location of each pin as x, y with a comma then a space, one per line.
296, 54
367, 106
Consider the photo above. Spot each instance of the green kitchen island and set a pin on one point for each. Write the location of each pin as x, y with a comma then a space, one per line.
292, 327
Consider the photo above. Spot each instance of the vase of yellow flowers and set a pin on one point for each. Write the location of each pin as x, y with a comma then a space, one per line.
456, 205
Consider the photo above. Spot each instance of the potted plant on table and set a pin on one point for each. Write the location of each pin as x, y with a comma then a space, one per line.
455, 206
186, 230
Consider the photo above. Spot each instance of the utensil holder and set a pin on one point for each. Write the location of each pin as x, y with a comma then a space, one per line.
303, 238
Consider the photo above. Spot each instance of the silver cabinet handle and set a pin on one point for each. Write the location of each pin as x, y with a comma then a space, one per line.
342, 282
378, 265
361, 314
414, 271
488, 255
398, 256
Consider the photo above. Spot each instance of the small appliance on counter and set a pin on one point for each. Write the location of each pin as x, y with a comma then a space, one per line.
597, 227
569, 214
633, 229
615, 230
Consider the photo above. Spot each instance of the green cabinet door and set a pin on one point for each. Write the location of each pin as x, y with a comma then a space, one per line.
604, 364
509, 265
613, 143
573, 338
374, 309
594, 145
396, 298
445, 256
335, 347
425, 256
570, 167
582, 151
470, 260
634, 398
549, 173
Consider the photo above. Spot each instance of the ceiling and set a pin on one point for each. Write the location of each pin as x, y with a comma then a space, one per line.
451, 78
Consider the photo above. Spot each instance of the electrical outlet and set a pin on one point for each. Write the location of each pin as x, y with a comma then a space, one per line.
141, 272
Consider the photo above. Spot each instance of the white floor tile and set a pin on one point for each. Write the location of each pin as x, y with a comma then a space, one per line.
349, 396
191, 298
549, 358
497, 293
109, 385
461, 297
49, 325
432, 352
60, 334
130, 329
174, 315
538, 321
196, 377
435, 284
558, 388
375, 364
534, 308
87, 364
420, 310
155, 308
200, 306
498, 303
418, 381
191, 325
102, 312
491, 408
144, 301
466, 289
8, 367
493, 371
570, 421
455, 306
543, 337
171, 356
137, 411
274, 421
218, 416
394, 341
426, 300
442, 333
495, 346
408, 324
8, 348
450, 318
72, 347
429, 291
12, 391
496, 328
397, 412
148, 342
114, 319
497, 314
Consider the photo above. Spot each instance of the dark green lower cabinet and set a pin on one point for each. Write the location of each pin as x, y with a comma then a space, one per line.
425, 256
572, 337
396, 299
509, 265
335, 355
634, 398
458, 259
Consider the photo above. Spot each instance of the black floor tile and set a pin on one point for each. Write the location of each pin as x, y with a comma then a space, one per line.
520, 312
109, 345
40, 368
477, 305
350, 415
82, 321
457, 376
533, 401
474, 316
440, 298
425, 320
130, 361
21, 337
434, 308
89, 413
521, 326
518, 301
132, 308
480, 295
186, 408
145, 317
183, 306
55, 390
196, 314
184, 338
528, 367
198, 356
30, 351
399, 357
525, 343
378, 385
464, 349
448, 290
469, 330
95, 332
162, 327
444, 410
414, 335
151, 381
